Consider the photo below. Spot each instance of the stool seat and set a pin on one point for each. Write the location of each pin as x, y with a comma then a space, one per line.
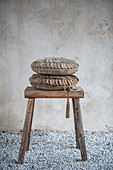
32, 93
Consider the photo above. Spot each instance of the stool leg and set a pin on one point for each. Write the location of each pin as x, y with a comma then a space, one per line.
75, 123
26, 130
28, 142
79, 126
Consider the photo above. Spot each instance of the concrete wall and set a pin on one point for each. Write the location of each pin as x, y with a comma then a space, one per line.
77, 29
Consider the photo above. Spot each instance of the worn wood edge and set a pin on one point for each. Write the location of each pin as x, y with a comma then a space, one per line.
81, 136
32, 88
75, 123
31, 92
26, 129
28, 143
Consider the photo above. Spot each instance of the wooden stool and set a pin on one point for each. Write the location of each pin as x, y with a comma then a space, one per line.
32, 93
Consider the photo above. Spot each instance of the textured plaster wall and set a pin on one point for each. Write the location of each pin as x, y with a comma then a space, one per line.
77, 29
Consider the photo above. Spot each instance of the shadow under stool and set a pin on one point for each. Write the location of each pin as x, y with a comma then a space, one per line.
32, 93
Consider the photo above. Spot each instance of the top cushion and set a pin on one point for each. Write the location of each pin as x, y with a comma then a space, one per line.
55, 66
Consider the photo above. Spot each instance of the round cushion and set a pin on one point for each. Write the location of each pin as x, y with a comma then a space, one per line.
49, 82
55, 66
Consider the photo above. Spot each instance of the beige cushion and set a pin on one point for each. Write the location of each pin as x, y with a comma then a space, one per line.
55, 66
49, 82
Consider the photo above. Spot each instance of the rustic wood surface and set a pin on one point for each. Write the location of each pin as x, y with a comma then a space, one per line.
31, 92
26, 130
28, 143
80, 139
75, 123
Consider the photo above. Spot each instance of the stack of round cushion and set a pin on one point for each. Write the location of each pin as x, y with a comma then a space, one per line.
54, 73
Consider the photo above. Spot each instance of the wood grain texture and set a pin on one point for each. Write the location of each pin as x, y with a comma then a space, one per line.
68, 109
79, 129
75, 124
28, 143
31, 92
26, 130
